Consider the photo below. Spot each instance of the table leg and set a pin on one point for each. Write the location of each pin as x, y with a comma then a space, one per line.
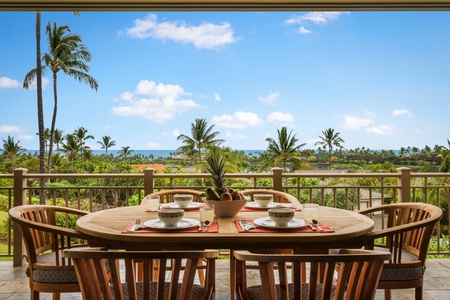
232, 276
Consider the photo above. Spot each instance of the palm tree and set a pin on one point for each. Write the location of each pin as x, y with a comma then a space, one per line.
12, 150
106, 143
82, 136
71, 147
445, 154
282, 150
66, 53
58, 138
202, 137
329, 139
125, 152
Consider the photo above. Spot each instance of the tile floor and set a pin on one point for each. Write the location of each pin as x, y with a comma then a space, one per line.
14, 283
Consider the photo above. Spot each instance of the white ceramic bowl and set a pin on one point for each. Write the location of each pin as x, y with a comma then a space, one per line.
171, 216
263, 200
281, 216
183, 200
226, 209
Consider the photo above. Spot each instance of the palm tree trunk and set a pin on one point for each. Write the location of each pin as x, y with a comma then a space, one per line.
40, 108
52, 130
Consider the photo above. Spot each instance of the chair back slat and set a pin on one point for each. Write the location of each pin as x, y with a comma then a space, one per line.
357, 276
181, 274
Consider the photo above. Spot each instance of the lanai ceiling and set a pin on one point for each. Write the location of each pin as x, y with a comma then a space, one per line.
222, 5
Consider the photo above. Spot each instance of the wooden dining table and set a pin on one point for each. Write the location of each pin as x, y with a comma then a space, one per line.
107, 228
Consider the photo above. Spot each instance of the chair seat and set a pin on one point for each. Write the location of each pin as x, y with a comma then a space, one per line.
197, 291
396, 273
255, 292
52, 276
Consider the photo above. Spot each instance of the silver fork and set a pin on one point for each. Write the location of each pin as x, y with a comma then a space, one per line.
135, 226
244, 225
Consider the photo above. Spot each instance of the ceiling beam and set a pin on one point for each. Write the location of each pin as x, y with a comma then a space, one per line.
224, 5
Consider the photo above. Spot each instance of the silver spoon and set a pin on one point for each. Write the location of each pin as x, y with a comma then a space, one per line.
316, 223
207, 223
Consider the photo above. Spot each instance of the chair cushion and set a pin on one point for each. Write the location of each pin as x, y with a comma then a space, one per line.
197, 291
396, 274
54, 276
255, 291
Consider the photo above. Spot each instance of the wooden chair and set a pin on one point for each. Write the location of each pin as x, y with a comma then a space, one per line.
357, 278
46, 233
166, 196
96, 284
405, 231
280, 197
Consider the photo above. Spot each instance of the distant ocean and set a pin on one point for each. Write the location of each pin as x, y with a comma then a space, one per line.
155, 153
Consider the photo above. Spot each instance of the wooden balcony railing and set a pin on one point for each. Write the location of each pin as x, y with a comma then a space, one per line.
352, 191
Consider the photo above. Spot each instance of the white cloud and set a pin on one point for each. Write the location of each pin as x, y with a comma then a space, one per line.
162, 104
354, 122
6, 83
237, 136
176, 132
217, 97
315, 18
25, 137
270, 98
153, 145
280, 117
303, 30
108, 127
381, 129
206, 35
239, 119
401, 112
9, 129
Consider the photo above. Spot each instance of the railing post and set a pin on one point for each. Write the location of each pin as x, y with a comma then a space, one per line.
277, 179
405, 184
20, 182
149, 180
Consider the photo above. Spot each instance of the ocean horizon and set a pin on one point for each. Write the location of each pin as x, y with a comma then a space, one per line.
146, 153
163, 153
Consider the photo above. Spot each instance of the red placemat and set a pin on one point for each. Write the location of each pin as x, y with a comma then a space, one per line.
267, 229
211, 229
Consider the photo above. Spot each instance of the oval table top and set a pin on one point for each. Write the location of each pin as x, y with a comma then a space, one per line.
106, 228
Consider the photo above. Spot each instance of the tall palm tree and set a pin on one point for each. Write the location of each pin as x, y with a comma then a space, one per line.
67, 53
329, 139
82, 136
106, 143
12, 149
282, 150
202, 138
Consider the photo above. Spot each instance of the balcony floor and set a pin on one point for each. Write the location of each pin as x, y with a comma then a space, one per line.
14, 283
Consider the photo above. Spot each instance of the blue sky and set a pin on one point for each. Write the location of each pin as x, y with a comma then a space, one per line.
380, 79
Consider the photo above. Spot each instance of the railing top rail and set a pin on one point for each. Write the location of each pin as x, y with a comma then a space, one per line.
439, 174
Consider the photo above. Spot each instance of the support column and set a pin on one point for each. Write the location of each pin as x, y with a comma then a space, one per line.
405, 184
